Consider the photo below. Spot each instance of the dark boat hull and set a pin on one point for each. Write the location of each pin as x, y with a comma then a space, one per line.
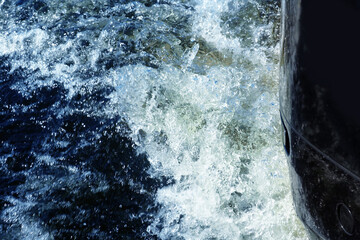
320, 115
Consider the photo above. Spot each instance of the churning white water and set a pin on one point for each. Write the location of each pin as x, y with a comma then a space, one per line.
196, 82
215, 131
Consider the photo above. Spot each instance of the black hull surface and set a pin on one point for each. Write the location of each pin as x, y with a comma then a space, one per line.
320, 111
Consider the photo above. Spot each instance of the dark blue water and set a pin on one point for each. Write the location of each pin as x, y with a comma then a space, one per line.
141, 120
95, 186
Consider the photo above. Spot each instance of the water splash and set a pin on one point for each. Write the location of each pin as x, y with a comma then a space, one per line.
172, 104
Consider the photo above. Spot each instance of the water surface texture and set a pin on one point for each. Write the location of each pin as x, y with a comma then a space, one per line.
149, 119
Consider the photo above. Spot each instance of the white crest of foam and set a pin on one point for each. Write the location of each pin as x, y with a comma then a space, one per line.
207, 24
201, 158
16, 41
203, 131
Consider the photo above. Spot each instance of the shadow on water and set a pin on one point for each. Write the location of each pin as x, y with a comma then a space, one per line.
73, 175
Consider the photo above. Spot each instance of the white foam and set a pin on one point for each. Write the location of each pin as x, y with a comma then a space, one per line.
222, 143
204, 145
215, 133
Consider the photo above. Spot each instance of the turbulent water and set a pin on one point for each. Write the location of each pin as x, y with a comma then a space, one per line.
149, 119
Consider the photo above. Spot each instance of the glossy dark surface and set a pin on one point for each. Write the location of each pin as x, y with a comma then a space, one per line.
319, 186
319, 99
321, 69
